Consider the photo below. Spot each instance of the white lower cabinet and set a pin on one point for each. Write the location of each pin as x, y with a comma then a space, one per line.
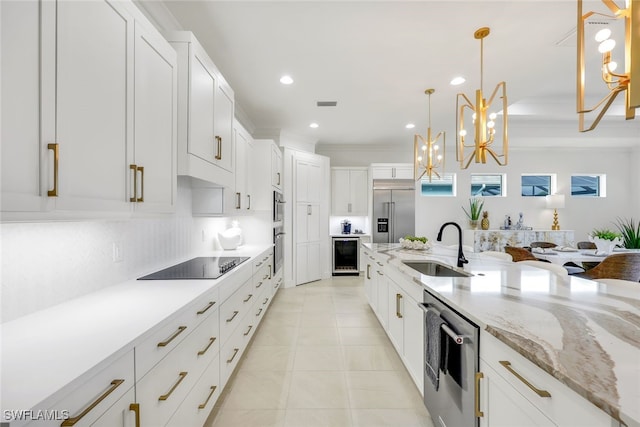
123, 413
381, 288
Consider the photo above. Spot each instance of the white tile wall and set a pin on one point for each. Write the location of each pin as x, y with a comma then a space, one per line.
43, 264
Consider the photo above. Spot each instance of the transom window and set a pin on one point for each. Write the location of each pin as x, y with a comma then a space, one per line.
534, 185
588, 185
488, 185
439, 187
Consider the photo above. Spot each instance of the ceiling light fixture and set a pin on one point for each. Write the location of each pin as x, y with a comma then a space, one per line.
616, 83
286, 80
484, 130
427, 157
457, 81
410, 126
313, 125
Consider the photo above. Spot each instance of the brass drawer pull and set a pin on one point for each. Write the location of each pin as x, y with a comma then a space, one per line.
258, 313
248, 201
266, 276
182, 375
379, 263
141, 170
56, 160
266, 300
380, 273
211, 304
135, 407
211, 341
479, 376
248, 298
398, 298
278, 178
203, 405
541, 393
134, 168
248, 330
235, 351
269, 271
172, 337
73, 420
368, 271
235, 313
238, 197
219, 154
259, 284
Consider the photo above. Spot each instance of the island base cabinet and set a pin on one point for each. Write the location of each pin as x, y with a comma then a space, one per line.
199, 403
518, 392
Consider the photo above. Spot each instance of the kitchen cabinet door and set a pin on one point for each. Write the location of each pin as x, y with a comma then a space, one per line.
392, 171
349, 192
23, 169
87, 101
223, 125
414, 341
154, 161
121, 414
307, 265
382, 289
307, 182
395, 328
276, 167
243, 154
202, 90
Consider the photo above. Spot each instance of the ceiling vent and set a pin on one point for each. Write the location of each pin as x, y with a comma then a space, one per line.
327, 103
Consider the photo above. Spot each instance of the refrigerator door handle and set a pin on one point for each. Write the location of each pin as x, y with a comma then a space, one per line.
392, 220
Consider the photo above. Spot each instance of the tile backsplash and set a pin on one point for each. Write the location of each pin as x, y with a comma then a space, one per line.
46, 263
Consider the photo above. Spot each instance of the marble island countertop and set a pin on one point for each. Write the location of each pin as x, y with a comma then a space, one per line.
584, 333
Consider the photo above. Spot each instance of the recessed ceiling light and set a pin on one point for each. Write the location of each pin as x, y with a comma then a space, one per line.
410, 125
286, 80
313, 125
457, 81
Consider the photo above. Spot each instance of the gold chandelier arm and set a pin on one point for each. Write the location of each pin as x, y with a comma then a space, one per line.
613, 7
495, 157
502, 85
609, 98
468, 102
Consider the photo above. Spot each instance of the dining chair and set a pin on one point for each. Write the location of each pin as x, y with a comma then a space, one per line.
520, 254
617, 282
624, 266
495, 254
587, 245
543, 245
558, 269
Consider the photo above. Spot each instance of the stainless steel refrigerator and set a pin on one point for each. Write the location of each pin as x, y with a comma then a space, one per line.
393, 210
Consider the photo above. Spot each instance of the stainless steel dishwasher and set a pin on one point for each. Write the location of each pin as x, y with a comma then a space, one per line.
452, 396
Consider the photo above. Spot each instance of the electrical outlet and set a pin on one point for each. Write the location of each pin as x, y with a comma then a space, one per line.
118, 255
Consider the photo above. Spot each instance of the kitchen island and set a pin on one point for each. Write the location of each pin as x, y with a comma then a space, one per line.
584, 334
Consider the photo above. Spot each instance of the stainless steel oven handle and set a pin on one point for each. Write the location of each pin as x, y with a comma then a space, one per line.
458, 339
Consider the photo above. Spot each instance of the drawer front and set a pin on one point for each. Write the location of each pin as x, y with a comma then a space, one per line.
261, 261
241, 274
200, 401
261, 279
173, 331
99, 392
162, 389
276, 284
233, 310
230, 354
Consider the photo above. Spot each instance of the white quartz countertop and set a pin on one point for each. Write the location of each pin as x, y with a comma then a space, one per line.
48, 350
584, 333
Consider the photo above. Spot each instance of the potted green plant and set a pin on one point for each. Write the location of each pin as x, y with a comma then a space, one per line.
605, 240
630, 232
475, 210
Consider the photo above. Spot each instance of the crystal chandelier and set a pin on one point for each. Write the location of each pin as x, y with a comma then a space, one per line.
485, 138
427, 156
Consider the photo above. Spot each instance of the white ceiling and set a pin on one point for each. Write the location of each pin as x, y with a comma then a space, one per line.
376, 58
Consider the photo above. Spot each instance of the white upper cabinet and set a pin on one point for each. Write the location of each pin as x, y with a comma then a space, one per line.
276, 167
94, 126
155, 86
308, 182
243, 145
391, 171
349, 191
205, 115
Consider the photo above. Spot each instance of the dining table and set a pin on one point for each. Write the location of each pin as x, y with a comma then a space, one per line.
563, 255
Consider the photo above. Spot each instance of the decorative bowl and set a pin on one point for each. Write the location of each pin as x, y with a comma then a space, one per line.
605, 246
415, 244
230, 239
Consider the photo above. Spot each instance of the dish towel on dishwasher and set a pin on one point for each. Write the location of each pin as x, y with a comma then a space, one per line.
433, 356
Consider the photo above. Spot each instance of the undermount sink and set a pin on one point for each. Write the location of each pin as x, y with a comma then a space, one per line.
432, 268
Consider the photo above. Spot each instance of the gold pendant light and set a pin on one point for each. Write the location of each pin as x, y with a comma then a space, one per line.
427, 156
485, 138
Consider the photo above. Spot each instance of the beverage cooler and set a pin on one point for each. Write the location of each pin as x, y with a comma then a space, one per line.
346, 252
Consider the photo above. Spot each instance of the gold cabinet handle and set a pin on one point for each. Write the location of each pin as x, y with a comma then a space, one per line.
259, 284
235, 313
238, 200
181, 376
258, 313
219, 154
203, 405
56, 161
541, 393
211, 341
248, 330
248, 298
478, 377
172, 337
73, 420
368, 271
248, 201
211, 304
266, 276
235, 351
398, 298
269, 271
135, 407
278, 178
134, 168
266, 300
379, 263
380, 273
141, 170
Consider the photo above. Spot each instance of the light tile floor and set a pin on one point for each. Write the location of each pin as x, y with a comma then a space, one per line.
320, 358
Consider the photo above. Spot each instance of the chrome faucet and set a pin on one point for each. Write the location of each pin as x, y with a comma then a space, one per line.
461, 259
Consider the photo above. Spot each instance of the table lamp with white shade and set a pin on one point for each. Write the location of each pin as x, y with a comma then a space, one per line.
555, 202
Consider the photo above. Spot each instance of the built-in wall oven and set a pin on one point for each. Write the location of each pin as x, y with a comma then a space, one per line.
451, 377
278, 206
278, 248
346, 259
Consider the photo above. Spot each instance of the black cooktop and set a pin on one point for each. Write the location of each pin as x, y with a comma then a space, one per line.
197, 268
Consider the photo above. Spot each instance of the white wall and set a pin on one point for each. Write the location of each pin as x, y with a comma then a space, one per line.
47, 263
579, 214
